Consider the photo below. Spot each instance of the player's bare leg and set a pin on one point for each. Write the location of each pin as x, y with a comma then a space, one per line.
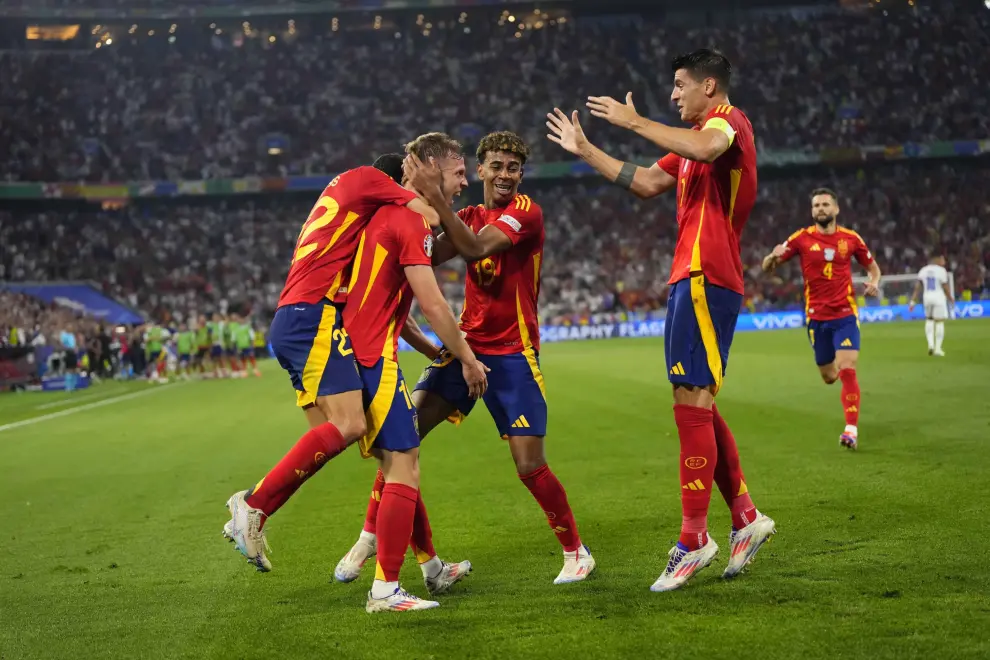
431, 411
531, 466
251, 508
845, 366
396, 518
829, 372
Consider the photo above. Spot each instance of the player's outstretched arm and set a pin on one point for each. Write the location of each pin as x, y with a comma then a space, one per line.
641, 181
427, 178
437, 312
443, 250
415, 337
775, 258
705, 145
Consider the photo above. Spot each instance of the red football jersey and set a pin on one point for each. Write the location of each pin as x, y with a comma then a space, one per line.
713, 203
826, 262
501, 291
327, 241
379, 296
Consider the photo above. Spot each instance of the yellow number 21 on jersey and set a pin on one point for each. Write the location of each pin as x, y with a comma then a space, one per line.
317, 220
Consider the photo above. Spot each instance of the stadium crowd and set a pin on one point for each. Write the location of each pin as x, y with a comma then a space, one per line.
606, 251
318, 101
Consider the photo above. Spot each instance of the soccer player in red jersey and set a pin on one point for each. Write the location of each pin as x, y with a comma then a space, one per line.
394, 263
310, 342
502, 241
712, 168
826, 251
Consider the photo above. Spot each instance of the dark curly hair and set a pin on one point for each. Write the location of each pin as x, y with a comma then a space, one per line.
502, 141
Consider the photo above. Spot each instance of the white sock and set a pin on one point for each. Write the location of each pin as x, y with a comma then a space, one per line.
939, 334
930, 334
431, 567
383, 589
367, 537
852, 429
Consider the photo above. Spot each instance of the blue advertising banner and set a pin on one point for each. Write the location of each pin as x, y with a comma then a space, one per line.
78, 297
747, 322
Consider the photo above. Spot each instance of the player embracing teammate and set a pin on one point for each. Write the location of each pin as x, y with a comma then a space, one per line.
502, 241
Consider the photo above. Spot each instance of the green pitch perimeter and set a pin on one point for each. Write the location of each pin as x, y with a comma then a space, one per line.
111, 516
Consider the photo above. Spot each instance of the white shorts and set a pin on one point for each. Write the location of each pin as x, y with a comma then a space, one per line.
937, 310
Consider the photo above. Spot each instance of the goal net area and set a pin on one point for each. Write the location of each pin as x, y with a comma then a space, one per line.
894, 289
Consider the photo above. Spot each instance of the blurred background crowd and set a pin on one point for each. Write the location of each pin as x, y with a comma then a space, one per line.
217, 94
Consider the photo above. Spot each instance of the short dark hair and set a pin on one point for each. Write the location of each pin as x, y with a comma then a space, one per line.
390, 164
434, 145
824, 191
502, 141
705, 63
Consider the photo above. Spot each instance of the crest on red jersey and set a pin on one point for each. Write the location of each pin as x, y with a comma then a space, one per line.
843, 247
428, 246
829, 254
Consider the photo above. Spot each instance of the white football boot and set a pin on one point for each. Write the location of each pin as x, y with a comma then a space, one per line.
448, 576
244, 528
746, 542
850, 437
578, 565
349, 568
399, 601
684, 565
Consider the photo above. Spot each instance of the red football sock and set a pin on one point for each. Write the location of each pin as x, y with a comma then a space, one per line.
254, 362
160, 368
553, 500
729, 474
316, 447
850, 395
371, 516
234, 364
422, 536
395, 527
699, 454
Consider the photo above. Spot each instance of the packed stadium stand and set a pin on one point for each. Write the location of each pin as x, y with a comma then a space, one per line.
159, 157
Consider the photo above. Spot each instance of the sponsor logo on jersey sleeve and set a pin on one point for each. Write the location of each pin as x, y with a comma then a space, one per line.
512, 222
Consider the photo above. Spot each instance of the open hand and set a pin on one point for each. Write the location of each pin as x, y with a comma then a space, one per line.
566, 132
623, 115
424, 177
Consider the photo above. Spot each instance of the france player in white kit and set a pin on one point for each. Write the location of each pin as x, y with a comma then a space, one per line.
933, 282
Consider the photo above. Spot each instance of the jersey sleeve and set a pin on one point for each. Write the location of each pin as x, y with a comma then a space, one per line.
793, 245
522, 219
727, 119
413, 239
382, 189
670, 164
943, 276
862, 253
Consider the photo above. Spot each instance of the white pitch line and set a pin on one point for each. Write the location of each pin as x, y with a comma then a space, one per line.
88, 406
68, 401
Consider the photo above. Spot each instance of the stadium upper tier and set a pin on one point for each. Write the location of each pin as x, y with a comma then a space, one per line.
200, 99
172, 257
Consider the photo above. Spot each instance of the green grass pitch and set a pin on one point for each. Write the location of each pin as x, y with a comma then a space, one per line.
111, 541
